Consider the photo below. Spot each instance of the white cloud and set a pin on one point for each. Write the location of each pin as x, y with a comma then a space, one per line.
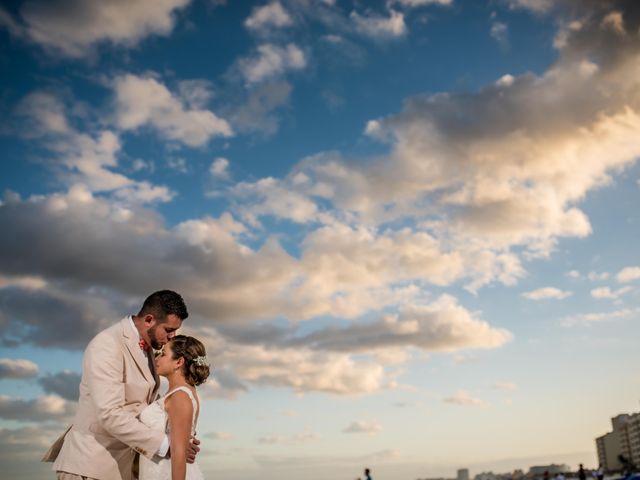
614, 21
269, 196
85, 161
505, 386
586, 318
419, 3
628, 274
45, 408
195, 93
374, 130
90, 161
139, 165
256, 359
378, 27
178, 164
341, 255
220, 168
144, 192
538, 6
17, 368
575, 274
219, 435
73, 28
271, 15
505, 80
305, 371
270, 61
143, 100
500, 32
256, 114
547, 292
362, 426
295, 439
595, 276
26, 444
94, 157
28, 282
606, 292
341, 272
440, 326
234, 281
47, 112
463, 398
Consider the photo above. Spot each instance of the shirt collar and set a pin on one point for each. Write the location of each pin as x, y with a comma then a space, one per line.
133, 326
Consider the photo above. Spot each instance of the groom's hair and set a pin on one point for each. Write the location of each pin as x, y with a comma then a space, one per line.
163, 303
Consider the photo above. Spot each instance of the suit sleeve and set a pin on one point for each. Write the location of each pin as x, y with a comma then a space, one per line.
105, 373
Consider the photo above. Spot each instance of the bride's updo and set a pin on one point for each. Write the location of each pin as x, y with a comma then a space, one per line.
196, 364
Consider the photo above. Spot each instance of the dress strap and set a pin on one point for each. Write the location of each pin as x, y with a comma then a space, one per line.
184, 389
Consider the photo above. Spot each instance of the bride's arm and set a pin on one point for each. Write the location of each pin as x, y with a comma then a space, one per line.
180, 411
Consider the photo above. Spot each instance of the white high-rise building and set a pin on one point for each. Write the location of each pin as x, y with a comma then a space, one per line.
621, 446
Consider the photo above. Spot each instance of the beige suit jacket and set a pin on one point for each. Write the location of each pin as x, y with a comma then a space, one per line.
116, 385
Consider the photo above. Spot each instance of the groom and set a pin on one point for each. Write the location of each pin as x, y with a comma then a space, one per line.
118, 381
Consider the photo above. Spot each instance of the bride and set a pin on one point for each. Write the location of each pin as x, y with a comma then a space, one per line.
184, 363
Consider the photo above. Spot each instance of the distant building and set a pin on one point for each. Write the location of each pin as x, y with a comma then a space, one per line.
553, 470
463, 474
486, 476
517, 474
623, 442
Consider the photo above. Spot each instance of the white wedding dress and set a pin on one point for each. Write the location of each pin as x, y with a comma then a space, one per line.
155, 416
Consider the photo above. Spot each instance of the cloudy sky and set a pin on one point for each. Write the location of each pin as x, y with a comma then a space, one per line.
407, 230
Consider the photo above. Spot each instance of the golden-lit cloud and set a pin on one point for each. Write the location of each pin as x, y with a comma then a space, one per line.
74, 29
17, 368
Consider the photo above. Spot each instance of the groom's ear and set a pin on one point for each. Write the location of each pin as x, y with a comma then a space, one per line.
149, 320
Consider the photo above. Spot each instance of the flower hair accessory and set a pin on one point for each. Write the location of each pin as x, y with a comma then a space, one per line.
201, 361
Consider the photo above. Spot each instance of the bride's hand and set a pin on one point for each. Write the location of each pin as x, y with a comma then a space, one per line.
193, 450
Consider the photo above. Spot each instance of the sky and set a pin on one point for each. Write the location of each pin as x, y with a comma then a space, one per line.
406, 231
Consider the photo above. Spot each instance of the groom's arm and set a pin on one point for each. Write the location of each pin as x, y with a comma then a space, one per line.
106, 380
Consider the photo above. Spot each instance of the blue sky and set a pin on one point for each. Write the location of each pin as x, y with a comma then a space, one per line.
405, 230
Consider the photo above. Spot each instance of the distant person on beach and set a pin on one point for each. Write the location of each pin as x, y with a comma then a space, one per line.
581, 473
119, 380
367, 474
600, 473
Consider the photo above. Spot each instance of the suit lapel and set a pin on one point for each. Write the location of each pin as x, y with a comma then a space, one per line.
131, 342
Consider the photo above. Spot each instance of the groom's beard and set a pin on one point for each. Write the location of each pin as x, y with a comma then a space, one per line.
153, 340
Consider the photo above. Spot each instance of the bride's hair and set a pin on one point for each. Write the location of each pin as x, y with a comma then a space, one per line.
196, 365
